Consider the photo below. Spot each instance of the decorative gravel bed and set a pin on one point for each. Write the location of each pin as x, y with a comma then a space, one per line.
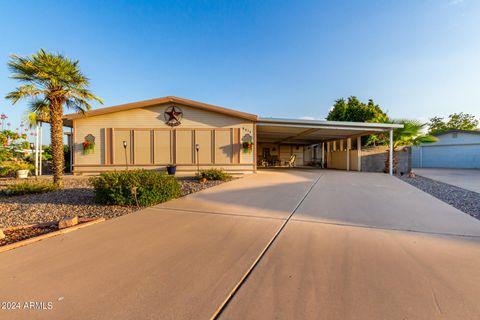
75, 199
464, 200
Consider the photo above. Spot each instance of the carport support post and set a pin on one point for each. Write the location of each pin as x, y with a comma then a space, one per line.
328, 154
359, 153
323, 154
349, 146
390, 154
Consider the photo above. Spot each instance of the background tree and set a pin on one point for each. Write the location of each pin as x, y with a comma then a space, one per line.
54, 81
458, 121
354, 110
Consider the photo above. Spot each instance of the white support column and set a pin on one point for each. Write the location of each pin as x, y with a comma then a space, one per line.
71, 150
341, 145
390, 155
36, 147
359, 153
349, 146
40, 145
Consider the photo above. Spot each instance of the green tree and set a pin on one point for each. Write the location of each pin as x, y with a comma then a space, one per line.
55, 81
354, 110
456, 121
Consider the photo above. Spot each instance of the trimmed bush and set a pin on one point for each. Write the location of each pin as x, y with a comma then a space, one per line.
214, 174
8, 168
28, 188
141, 187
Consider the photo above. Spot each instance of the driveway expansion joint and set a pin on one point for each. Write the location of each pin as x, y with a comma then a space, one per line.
217, 213
244, 278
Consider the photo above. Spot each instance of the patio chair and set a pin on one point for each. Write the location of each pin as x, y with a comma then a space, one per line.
291, 162
263, 162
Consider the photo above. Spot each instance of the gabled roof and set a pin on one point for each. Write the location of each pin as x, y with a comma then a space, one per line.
157, 101
457, 131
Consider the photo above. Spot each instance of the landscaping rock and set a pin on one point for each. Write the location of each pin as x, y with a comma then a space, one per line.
2, 235
67, 222
76, 198
464, 200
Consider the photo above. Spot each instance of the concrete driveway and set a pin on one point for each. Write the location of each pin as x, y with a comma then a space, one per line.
275, 245
468, 179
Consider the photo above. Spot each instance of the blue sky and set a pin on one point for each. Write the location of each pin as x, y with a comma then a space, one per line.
417, 59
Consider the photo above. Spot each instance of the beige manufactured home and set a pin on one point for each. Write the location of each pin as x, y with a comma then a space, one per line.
152, 134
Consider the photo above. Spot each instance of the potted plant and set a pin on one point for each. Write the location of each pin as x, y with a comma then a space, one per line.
171, 169
22, 170
89, 144
247, 146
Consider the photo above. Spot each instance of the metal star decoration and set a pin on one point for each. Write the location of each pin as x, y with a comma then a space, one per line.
174, 116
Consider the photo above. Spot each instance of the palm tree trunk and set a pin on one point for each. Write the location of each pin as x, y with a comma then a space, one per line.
387, 162
56, 134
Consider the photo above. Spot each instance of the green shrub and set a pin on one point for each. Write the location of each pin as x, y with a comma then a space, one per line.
214, 174
119, 187
8, 168
28, 188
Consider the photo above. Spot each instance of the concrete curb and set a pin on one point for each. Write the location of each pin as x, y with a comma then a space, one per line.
47, 235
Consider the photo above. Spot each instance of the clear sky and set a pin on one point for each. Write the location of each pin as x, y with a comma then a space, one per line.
416, 58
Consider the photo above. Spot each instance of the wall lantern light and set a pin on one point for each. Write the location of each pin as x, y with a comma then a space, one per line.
197, 148
125, 148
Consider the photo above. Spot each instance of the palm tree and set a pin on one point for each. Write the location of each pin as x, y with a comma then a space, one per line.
410, 135
51, 81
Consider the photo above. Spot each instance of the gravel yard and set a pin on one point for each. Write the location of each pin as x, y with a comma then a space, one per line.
464, 200
75, 199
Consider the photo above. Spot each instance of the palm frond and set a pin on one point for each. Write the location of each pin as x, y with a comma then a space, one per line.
426, 138
53, 76
22, 92
79, 105
410, 134
38, 110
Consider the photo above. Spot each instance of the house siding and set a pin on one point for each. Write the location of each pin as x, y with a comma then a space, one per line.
144, 129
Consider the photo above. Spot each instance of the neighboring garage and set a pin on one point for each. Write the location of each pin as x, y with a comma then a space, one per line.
454, 149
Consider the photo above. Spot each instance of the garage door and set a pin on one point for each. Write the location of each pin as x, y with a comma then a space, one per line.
457, 156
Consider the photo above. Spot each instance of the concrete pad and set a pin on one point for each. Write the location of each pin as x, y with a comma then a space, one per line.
269, 193
148, 265
468, 179
378, 200
319, 271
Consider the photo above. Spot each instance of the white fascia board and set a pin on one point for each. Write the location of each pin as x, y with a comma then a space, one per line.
292, 125
316, 123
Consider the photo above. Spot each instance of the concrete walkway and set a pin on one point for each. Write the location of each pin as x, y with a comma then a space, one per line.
358, 246
463, 178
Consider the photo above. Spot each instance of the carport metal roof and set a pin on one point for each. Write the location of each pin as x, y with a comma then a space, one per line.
297, 131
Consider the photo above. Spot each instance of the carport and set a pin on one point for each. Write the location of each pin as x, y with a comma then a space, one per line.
317, 142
